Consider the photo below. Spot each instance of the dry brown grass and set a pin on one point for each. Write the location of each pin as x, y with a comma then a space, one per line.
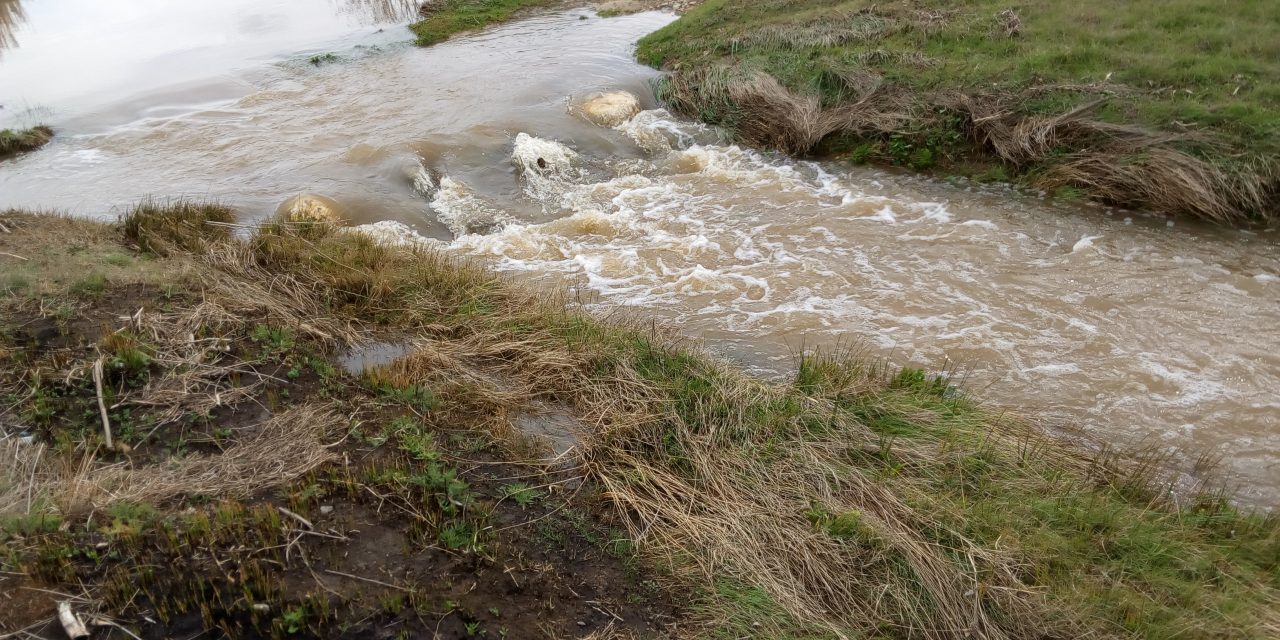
765, 113
1125, 165
284, 447
730, 507
1130, 166
165, 227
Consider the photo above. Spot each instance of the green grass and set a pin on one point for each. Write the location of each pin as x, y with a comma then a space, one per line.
1205, 71
14, 142
1211, 65
455, 16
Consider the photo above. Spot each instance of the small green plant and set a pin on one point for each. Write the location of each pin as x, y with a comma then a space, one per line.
41, 408
323, 58
996, 173
473, 628
91, 285
452, 494
322, 368
293, 620
456, 535
39, 521
414, 395
1070, 193
621, 546
273, 340
521, 493
922, 158
393, 603
128, 358
127, 523
918, 380
863, 153
899, 149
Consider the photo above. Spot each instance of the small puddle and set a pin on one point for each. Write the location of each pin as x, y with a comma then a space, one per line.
557, 427
377, 354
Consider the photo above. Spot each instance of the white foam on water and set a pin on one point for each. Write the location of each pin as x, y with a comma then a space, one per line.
1054, 369
89, 156
1083, 243
423, 182
464, 212
546, 168
394, 233
750, 249
656, 131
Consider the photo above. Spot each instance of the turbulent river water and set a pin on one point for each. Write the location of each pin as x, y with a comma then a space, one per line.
1125, 327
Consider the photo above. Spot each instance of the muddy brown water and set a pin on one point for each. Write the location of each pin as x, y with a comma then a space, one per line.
1133, 329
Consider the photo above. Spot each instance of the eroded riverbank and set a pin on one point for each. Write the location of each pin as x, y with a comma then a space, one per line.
1141, 333
236, 480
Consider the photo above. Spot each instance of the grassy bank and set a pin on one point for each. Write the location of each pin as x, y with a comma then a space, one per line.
851, 501
14, 142
1170, 106
447, 17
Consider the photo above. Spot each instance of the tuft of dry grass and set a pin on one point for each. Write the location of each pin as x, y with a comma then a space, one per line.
1126, 165
284, 447
162, 228
762, 112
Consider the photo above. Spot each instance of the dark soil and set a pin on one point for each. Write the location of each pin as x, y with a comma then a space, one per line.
371, 563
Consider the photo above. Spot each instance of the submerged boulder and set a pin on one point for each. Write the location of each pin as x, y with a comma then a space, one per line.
609, 109
311, 208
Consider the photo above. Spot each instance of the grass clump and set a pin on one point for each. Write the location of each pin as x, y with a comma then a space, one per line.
447, 17
322, 58
1169, 106
162, 228
20, 141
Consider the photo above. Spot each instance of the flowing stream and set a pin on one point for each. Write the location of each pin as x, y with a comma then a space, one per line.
1128, 328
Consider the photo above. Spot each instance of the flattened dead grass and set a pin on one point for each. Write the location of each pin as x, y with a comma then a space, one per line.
285, 447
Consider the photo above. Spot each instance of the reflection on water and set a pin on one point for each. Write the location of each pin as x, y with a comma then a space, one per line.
78, 55
381, 11
11, 16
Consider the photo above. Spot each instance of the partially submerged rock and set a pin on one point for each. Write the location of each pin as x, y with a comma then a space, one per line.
609, 109
312, 208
